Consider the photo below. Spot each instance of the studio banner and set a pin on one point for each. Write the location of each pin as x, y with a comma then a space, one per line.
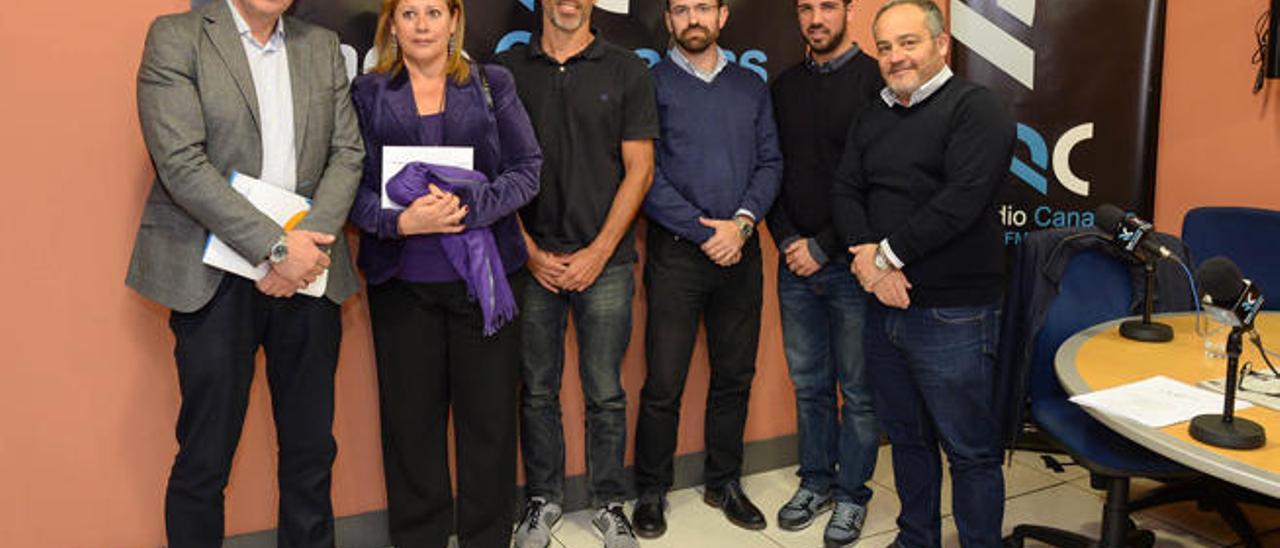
1083, 80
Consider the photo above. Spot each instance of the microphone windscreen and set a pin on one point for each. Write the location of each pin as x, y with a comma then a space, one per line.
1109, 217
1221, 280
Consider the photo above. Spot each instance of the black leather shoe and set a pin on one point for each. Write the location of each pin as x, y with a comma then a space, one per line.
647, 519
736, 506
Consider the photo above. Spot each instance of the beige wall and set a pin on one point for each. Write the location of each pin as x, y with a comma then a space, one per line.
88, 398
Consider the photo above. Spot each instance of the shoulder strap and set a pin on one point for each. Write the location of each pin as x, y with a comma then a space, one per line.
484, 85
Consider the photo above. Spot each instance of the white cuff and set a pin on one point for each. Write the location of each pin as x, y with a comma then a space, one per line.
745, 213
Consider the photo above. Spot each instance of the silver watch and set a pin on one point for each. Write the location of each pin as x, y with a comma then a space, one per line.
745, 227
880, 260
279, 250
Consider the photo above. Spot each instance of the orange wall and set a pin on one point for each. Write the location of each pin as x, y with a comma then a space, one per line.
89, 395
1219, 144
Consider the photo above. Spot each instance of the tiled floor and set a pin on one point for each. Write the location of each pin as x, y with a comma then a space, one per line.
1035, 495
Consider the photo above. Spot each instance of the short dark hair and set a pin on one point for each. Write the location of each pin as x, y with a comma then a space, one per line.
933, 19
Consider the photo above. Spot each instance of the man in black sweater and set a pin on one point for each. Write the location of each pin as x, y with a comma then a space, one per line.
823, 307
914, 198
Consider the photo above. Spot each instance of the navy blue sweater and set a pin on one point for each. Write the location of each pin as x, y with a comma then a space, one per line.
718, 152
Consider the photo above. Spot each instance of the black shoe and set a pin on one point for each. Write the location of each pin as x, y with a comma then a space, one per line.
736, 506
647, 519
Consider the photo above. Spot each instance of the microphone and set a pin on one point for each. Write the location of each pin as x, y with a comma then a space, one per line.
1227, 295
1235, 301
1130, 232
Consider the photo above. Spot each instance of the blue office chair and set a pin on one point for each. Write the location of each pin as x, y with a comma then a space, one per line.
1245, 235
1097, 287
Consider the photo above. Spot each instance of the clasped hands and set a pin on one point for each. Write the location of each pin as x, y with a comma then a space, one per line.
306, 261
724, 247
436, 212
798, 259
577, 271
889, 286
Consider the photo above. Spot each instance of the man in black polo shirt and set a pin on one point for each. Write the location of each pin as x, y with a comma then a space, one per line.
914, 197
822, 306
592, 105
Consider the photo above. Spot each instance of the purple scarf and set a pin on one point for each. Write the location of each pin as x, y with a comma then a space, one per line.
473, 253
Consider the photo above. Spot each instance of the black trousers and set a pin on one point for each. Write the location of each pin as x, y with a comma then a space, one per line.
215, 353
684, 286
432, 356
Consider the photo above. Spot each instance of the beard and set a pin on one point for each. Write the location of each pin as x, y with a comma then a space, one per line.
567, 23
906, 89
834, 42
693, 41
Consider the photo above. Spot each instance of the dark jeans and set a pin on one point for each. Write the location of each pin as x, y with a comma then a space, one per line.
215, 353
822, 320
432, 357
932, 371
682, 286
602, 319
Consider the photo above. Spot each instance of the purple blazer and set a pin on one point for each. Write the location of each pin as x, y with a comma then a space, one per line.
506, 151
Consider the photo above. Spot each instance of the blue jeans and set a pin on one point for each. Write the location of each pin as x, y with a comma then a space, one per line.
822, 319
932, 370
602, 318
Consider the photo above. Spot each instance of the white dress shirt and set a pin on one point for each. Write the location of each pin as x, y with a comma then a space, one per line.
269, 65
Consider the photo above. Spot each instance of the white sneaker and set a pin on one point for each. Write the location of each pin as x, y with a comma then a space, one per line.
540, 517
612, 523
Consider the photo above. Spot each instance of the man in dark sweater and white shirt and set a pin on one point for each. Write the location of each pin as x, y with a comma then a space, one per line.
822, 306
914, 198
717, 172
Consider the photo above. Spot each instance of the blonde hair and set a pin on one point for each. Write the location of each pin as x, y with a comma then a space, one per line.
391, 60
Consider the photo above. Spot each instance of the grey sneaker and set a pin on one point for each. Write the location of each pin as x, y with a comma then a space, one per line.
540, 517
845, 526
613, 525
801, 510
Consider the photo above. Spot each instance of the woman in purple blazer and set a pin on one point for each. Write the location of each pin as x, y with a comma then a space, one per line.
443, 272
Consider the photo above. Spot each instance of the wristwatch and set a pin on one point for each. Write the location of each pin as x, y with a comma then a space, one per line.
745, 228
279, 250
880, 260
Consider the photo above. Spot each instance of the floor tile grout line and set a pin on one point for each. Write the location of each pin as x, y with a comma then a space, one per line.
1179, 528
770, 539
1008, 497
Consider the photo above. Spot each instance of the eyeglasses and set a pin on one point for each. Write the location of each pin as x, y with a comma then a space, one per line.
1258, 382
682, 11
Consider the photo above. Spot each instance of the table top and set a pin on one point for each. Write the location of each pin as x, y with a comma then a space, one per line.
1099, 358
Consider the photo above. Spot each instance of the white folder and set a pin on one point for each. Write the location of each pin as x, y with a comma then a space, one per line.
283, 207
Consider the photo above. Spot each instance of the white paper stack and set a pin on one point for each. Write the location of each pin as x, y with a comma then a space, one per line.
1156, 402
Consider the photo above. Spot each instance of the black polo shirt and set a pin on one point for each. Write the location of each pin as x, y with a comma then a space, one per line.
582, 111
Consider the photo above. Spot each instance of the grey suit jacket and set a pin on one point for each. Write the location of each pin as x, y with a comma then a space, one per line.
200, 121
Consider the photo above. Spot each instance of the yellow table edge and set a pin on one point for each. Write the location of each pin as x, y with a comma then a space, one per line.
1173, 441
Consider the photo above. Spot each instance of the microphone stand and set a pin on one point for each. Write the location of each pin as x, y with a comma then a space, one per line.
1147, 330
1226, 430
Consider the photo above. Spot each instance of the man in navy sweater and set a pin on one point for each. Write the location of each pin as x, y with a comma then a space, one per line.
822, 306
717, 171
914, 197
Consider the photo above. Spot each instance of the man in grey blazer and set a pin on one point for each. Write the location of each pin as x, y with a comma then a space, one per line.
234, 86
